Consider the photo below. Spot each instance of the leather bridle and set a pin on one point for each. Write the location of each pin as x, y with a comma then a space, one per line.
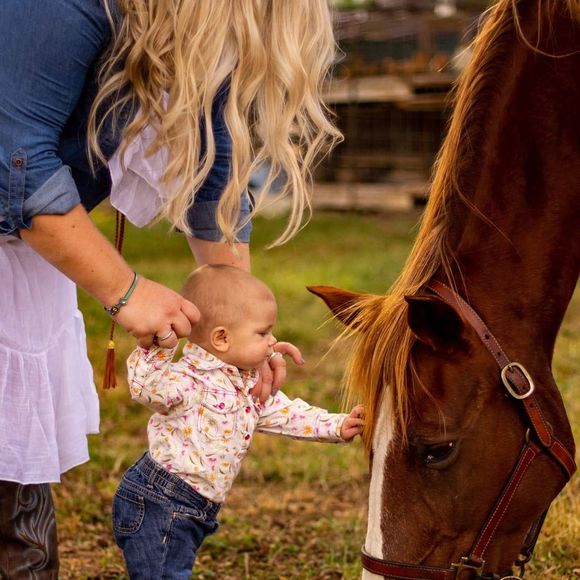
539, 440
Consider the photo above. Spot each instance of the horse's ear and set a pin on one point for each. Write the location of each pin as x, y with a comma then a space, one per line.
342, 303
435, 323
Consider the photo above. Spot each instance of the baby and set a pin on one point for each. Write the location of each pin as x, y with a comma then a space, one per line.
204, 421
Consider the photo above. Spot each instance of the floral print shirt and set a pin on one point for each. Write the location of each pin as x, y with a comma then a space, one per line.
205, 416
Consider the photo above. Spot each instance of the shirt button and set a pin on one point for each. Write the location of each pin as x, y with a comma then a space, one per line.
221, 405
248, 409
246, 436
18, 162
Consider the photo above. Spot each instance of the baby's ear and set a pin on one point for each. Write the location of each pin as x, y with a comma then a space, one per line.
220, 338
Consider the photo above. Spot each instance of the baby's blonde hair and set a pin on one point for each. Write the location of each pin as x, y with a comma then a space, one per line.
223, 294
275, 54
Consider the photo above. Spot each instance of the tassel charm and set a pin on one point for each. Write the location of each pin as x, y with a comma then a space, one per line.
110, 375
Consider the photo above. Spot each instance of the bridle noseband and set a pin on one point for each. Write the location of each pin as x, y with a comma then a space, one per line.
539, 439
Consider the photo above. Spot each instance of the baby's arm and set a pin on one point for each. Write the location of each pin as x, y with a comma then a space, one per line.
151, 381
300, 420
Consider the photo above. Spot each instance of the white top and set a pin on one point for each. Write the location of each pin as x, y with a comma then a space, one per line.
48, 400
205, 416
136, 188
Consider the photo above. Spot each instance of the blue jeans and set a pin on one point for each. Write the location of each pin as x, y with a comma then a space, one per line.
159, 522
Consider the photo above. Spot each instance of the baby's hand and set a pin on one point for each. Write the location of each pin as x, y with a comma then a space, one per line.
353, 424
273, 372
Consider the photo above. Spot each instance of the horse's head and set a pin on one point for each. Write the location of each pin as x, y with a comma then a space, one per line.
454, 473
440, 465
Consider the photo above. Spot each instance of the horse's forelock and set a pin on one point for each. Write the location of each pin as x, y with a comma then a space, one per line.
381, 346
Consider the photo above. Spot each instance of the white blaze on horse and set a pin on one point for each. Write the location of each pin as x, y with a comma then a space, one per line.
468, 436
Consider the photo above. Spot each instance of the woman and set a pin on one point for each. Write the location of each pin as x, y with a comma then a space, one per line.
219, 86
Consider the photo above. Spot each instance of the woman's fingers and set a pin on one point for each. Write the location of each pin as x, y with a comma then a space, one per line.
167, 339
146, 341
156, 314
182, 322
190, 311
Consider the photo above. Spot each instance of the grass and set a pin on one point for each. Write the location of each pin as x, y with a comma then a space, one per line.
297, 510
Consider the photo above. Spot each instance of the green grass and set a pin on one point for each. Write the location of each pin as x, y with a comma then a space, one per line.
297, 510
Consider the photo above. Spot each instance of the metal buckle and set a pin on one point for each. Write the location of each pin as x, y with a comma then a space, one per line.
465, 565
508, 385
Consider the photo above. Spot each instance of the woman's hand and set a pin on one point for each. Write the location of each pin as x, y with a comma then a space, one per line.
273, 372
353, 424
156, 314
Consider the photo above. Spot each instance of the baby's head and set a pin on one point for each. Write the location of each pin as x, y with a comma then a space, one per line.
238, 313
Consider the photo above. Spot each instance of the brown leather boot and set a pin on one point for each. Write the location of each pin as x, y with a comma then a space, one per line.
28, 542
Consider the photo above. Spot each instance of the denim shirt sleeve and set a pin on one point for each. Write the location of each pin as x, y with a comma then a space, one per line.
48, 49
203, 224
203, 213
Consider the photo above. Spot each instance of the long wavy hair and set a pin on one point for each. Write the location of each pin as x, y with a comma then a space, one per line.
171, 57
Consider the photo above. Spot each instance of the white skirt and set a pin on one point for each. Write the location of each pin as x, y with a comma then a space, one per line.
48, 400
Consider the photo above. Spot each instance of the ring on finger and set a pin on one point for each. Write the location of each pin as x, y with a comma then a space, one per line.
168, 335
274, 355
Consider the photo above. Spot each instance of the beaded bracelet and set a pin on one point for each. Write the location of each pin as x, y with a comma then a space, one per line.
112, 310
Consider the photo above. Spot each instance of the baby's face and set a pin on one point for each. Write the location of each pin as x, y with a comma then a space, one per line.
252, 341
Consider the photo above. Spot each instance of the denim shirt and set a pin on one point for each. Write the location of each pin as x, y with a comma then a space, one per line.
49, 57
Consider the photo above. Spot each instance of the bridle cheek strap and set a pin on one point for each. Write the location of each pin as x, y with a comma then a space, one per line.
520, 386
515, 378
527, 456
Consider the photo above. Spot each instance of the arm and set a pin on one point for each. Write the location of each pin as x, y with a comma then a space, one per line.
151, 381
299, 420
210, 252
273, 372
74, 245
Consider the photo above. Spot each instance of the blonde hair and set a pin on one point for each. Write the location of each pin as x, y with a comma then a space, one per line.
275, 55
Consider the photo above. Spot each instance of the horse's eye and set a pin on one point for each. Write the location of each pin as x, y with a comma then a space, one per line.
437, 455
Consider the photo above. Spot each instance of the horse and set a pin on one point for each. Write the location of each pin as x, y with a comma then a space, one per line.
468, 437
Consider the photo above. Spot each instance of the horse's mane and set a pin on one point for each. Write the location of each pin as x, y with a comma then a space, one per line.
383, 342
